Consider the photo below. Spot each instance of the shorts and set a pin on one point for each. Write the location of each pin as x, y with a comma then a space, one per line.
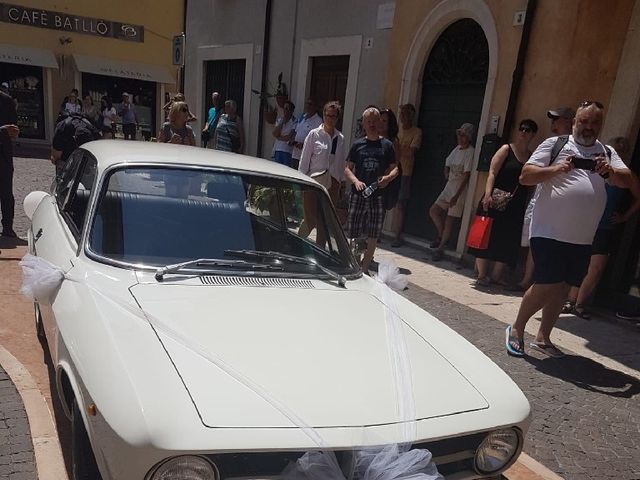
526, 225
366, 216
603, 242
443, 202
558, 262
405, 189
283, 158
129, 129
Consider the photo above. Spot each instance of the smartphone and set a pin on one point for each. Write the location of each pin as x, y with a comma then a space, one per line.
584, 163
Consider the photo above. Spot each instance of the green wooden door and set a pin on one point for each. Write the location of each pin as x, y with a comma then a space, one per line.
453, 87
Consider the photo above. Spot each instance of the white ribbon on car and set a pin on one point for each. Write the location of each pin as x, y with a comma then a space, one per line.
40, 279
390, 462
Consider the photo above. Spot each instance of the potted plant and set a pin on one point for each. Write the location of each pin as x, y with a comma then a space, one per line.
270, 113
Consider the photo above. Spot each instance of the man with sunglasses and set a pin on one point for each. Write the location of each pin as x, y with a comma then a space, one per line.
561, 120
323, 159
570, 201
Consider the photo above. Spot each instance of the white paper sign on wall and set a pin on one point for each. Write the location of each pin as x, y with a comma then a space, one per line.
385, 15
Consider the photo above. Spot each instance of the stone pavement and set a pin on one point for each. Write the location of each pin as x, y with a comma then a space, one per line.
17, 461
586, 408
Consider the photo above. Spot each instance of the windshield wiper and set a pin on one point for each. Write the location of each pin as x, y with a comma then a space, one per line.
289, 258
210, 262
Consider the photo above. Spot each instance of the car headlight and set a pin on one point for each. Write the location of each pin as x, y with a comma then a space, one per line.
186, 466
497, 450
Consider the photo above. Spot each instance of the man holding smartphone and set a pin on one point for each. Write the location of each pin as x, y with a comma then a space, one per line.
569, 205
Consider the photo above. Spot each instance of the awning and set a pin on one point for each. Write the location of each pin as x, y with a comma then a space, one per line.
38, 57
117, 68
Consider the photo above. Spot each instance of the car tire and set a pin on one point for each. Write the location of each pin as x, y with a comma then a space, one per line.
83, 462
38, 320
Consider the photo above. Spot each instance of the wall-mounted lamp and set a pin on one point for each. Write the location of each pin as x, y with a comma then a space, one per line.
65, 40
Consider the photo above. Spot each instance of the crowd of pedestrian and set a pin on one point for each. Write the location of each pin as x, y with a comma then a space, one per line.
532, 198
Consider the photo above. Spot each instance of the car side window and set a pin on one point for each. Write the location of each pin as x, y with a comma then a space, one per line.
64, 181
75, 207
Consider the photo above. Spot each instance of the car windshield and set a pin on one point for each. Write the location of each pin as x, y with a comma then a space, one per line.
157, 216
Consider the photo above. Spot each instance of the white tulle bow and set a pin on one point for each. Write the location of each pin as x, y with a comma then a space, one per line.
40, 279
388, 463
389, 274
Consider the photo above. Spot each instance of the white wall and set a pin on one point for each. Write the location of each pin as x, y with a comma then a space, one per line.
300, 29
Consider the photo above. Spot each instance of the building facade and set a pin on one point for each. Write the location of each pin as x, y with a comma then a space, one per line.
326, 49
49, 47
495, 62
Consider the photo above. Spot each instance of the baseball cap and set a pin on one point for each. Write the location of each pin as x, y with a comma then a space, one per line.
4, 85
125, 94
561, 112
467, 129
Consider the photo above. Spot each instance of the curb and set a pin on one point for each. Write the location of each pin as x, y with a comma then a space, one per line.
46, 445
526, 468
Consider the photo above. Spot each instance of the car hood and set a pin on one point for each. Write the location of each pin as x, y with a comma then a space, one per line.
273, 357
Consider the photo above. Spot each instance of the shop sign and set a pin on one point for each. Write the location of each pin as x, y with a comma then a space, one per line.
35, 17
178, 50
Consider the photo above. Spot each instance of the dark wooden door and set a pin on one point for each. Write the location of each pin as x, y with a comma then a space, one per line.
329, 80
227, 78
453, 87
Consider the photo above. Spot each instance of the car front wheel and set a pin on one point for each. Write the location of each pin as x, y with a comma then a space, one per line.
83, 462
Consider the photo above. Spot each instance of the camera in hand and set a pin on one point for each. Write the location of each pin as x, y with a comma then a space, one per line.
584, 163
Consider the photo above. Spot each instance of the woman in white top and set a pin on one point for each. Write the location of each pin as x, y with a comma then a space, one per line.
109, 117
72, 105
89, 110
450, 203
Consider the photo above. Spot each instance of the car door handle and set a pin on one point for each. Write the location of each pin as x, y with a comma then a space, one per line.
38, 235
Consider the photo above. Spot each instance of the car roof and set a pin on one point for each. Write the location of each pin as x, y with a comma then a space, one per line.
111, 152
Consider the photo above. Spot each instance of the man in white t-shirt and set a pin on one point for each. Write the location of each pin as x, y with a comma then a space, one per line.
308, 122
284, 133
570, 200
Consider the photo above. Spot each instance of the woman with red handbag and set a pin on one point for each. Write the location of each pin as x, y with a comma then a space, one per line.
504, 201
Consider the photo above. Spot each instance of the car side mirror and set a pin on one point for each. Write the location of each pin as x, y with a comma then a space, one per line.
32, 201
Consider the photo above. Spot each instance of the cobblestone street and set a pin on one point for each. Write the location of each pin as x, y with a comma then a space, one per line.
16, 450
586, 417
30, 174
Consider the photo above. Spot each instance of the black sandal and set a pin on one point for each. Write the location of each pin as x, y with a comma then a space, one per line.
581, 312
568, 307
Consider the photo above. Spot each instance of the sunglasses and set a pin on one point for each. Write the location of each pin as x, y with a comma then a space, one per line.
587, 103
184, 109
526, 129
331, 115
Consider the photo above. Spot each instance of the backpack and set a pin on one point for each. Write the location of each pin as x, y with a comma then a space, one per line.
561, 141
83, 130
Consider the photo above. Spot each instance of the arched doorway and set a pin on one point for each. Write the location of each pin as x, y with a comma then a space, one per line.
453, 87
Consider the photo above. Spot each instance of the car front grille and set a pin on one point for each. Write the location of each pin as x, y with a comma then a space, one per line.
453, 457
239, 281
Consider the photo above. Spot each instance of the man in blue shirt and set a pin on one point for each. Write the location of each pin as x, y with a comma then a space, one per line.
371, 165
212, 120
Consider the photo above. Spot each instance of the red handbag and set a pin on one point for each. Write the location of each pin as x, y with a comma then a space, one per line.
480, 232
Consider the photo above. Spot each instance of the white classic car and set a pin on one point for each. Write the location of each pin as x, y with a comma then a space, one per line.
197, 333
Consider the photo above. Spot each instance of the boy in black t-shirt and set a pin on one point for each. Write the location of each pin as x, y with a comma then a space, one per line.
371, 163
